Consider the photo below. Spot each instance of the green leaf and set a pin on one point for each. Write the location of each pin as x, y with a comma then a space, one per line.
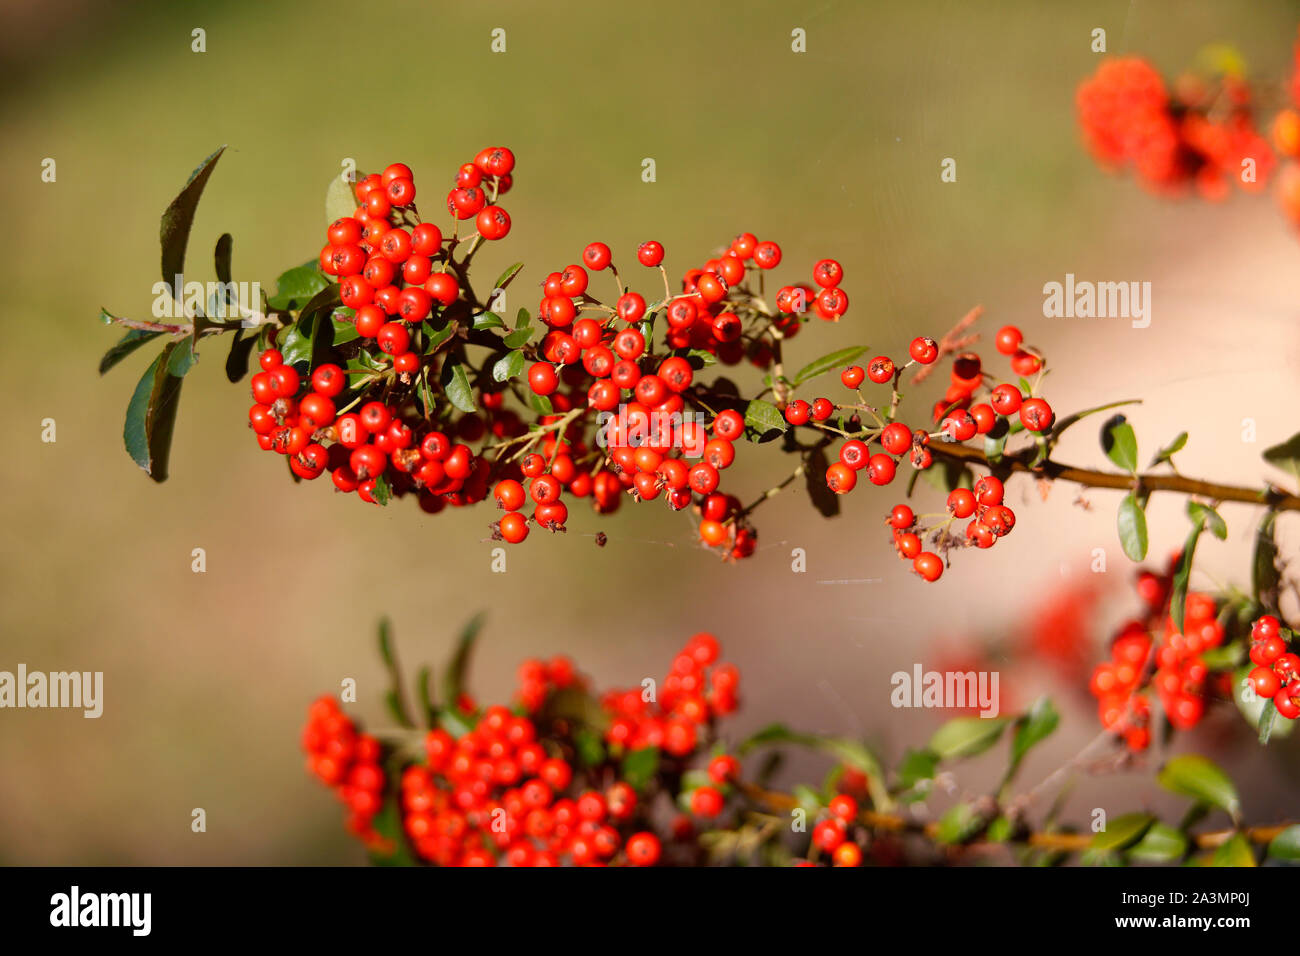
507, 277
917, 766
1160, 844
453, 678
388, 824
296, 286
178, 218
1264, 577
1286, 455
700, 358
1032, 728
240, 350
438, 336
1060, 426
1182, 574
958, 825
995, 446
1122, 831
344, 331
762, 418
151, 413
540, 404
1192, 775
640, 766
1119, 443
508, 366
382, 492
340, 199
824, 500
591, 750
487, 320
1167, 453
967, 736
1132, 523
303, 342
1235, 852
519, 336
1000, 830
127, 344
423, 681
455, 382
394, 698
849, 751
1286, 845
1209, 518
827, 362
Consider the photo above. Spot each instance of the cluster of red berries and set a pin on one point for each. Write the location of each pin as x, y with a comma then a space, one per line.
513, 789
1276, 674
650, 447
348, 761
1201, 134
1172, 664
696, 692
377, 441
959, 418
1286, 140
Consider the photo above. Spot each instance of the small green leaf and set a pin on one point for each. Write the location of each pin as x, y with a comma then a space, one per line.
1167, 453
1264, 574
1065, 423
438, 336
1132, 523
827, 362
995, 446
296, 286
221, 257
1182, 575
178, 218
1160, 844
508, 366
849, 751
591, 750
340, 199
1032, 728
487, 320
958, 825
540, 404
151, 413
917, 766
453, 677
1286, 455
344, 330
507, 277
394, 697
382, 493
1192, 775
1286, 845
1235, 852
455, 382
129, 342
640, 767
423, 682
1207, 516
1122, 831
1119, 443
700, 358
967, 736
519, 336
762, 418
388, 824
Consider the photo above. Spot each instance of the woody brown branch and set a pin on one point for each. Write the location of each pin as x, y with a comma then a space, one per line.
1181, 484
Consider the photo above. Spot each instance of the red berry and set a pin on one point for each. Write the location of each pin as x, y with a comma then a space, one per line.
596, 256
650, 253
928, 565
924, 349
827, 273
1008, 339
880, 369
852, 376
1036, 415
797, 412
542, 378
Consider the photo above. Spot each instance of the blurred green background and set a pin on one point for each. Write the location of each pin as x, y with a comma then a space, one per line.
835, 151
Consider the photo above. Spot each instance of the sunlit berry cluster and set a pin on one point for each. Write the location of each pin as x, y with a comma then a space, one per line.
971, 407
1150, 656
1201, 134
520, 787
